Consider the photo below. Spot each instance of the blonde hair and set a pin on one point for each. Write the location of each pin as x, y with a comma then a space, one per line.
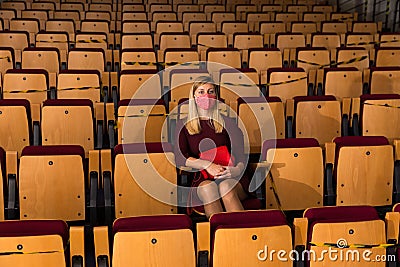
193, 121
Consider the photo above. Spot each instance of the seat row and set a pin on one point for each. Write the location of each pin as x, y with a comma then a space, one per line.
357, 235
142, 178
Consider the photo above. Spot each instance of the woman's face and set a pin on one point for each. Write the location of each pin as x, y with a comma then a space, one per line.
204, 89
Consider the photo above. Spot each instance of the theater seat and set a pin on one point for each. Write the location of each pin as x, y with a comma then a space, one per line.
236, 238
162, 240
346, 229
40, 243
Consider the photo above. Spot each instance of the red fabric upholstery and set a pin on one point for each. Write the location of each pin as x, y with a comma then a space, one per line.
140, 102
287, 143
35, 228
298, 99
339, 214
138, 148
3, 161
262, 218
126, 72
397, 208
80, 72
152, 223
257, 99
53, 150
68, 102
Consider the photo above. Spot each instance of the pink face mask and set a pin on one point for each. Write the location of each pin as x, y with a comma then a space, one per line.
206, 101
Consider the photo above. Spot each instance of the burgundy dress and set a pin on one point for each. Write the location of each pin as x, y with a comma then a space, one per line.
192, 145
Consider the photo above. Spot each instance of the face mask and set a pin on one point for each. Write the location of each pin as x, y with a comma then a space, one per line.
206, 101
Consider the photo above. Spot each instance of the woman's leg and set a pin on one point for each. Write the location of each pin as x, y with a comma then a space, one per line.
232, 194
209, 195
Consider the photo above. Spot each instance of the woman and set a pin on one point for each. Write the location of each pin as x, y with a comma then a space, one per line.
205, 130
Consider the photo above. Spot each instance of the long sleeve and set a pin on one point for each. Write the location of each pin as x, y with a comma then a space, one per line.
181, 148
236, 139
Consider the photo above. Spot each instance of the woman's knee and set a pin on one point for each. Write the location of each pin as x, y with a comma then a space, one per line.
208, 190
227, 187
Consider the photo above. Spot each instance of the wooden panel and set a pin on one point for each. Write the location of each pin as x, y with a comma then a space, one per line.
237, 247
385, 82
77, 242
230, 93
70, 80
320, 57
263, 60
370, 232
180, 87
52, 187
388, 58
346, 55
362, 169
379, 119
140, 86
86, 60
22, 82
343, 83
128, 58
52, 244
225, 59
162, 248
318, 119
203, 237
137, 193
260, 122
298, 174
288, 90
14, 130
100, 235
68, 125
146, 123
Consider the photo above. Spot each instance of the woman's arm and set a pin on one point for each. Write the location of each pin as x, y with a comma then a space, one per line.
231, 171
200, 164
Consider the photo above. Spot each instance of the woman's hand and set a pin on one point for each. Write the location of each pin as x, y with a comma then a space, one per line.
229, 172
215, 169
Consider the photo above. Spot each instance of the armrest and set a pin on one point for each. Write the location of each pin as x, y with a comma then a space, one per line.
346, 103
12, 182
355, 111
77, 246
330, 153
392, 220
53, 92
292, 57
330, 196
289, 118
260, 173
286, 57
101, 246
203, 243
312, 78
94, 170
114, 93
111, 121
300, 231
366, 78
396, 179
100, 116
106, 170
320, 82
396, 144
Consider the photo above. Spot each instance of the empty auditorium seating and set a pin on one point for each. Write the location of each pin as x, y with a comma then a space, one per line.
41, 242
355, 158
159, 237
234, 239
296, 177
350, 225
